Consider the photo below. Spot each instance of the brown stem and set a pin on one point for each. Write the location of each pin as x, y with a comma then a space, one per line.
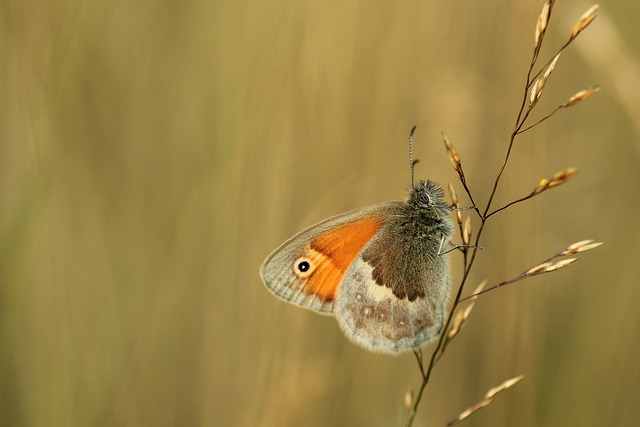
427, 375
514, 279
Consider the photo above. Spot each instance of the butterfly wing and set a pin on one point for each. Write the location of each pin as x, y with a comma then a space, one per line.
308, 269
394, 296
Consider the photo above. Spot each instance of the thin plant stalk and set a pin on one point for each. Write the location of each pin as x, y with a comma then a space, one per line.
533, 89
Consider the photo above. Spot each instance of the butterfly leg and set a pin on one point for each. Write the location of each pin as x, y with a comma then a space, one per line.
454, 247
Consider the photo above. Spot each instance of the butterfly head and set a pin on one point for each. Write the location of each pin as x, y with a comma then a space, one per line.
427, 195
429, 207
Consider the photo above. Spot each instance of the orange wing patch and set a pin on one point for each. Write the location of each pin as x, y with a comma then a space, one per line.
331, 253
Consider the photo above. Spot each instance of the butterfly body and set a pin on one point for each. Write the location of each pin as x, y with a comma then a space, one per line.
378, 269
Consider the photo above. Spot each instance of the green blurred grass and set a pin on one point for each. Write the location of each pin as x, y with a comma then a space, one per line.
153, 153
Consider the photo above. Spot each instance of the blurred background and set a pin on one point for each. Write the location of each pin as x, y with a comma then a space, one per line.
153, 153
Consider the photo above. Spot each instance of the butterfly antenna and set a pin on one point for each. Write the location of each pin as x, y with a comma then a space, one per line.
412, 163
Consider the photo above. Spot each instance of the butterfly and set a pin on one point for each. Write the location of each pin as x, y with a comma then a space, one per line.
380, 270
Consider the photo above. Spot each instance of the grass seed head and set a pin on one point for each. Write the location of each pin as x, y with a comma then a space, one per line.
543, 22
584, 21
582, 246
581, 96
